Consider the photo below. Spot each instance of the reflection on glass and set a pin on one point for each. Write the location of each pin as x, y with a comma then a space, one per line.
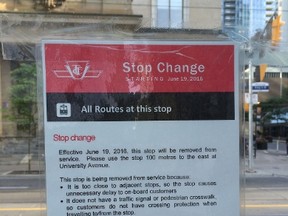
169, 13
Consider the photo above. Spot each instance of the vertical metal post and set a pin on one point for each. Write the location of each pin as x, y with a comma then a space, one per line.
250, 161
277, 144
281, 82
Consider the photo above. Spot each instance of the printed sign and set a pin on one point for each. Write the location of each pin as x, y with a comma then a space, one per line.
254, 98
141, 128
260, 87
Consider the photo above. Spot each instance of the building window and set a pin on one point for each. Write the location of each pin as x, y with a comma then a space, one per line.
169, 14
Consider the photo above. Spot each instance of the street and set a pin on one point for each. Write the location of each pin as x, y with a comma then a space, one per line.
22, 182
266, 196
266, 190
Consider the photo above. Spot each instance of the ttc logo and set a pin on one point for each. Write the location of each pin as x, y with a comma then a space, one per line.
77, 70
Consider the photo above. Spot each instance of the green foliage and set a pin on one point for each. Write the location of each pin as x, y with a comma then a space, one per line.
24, 97
276, 103
275, 108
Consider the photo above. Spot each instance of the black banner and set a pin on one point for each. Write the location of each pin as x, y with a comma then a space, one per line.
140, 106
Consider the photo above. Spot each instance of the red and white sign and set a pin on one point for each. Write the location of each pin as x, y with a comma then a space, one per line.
127, 66
141, 128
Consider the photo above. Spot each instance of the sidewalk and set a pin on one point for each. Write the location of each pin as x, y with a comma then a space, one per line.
269, 163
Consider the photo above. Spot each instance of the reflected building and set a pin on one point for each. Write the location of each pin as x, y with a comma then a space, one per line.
20, 32
242, 19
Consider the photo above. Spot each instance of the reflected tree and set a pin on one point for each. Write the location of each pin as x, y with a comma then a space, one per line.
24, 101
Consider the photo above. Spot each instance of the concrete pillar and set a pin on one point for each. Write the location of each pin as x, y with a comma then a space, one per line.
7, 128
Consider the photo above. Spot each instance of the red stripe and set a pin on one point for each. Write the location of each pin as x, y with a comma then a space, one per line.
139, 68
